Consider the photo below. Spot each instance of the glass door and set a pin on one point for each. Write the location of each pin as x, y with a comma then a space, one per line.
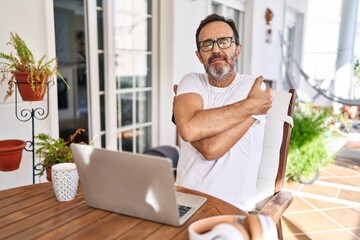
127, 67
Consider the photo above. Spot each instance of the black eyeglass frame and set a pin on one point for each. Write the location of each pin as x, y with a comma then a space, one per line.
217, 42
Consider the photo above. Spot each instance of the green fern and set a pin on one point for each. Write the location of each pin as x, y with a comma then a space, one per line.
23, 61
53, 151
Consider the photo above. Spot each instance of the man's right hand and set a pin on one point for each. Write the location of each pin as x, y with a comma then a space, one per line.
261, 101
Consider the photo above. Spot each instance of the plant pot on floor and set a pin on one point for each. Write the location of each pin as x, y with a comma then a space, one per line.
30, 91
48, 172
310, 179
11, 154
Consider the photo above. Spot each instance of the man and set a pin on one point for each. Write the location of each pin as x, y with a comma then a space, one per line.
220, 118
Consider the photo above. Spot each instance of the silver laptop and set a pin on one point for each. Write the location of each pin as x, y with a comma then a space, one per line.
137, 185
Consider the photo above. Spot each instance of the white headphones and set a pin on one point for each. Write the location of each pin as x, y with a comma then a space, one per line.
234, 227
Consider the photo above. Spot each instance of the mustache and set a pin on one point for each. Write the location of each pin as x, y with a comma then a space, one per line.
217, 55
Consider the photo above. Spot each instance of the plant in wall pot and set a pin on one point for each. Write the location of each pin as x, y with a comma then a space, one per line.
32, 77
53, 151
309, 144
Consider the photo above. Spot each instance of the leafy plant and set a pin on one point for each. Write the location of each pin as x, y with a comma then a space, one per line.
54, 151
24, 61
307, 150
357, 71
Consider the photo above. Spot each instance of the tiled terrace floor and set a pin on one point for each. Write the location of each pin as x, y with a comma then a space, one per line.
327, 209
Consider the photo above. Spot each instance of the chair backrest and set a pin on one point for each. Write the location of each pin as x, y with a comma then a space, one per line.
276, 141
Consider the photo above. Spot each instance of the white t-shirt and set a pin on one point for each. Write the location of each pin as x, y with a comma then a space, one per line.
232, 177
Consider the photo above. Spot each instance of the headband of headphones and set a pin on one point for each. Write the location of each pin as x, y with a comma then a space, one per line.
234, 227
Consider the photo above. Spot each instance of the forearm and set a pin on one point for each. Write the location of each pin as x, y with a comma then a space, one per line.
211, 122
195, 123
216, 146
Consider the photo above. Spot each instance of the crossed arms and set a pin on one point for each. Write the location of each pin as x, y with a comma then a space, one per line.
214, 131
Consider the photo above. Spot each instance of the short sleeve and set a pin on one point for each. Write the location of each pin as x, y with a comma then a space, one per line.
190, 83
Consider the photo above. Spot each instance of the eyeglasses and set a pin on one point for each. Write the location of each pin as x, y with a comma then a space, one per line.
223, 43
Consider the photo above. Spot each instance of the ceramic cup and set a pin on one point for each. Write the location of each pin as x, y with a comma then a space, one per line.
65, 181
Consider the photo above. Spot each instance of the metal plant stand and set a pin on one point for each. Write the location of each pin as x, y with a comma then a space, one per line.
25, 115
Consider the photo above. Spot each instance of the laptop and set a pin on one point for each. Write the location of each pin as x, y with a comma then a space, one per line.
137, 185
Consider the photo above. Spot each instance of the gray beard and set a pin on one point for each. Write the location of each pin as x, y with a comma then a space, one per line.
221, 73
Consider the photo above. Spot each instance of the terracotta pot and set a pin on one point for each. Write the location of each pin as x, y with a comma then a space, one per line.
48, 173
26, 93
11, 154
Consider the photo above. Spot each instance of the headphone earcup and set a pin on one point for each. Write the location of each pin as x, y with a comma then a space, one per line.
225, 231
260, 227
268, 227
253, 225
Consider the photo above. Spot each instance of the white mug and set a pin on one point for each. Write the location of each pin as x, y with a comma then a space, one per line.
65, 181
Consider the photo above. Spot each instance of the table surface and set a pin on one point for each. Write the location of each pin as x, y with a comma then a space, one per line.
33, 211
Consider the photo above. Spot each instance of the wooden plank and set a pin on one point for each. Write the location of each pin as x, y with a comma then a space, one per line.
168, 232
108, 227
12, 196
26, 203
17, 214
54, 223
140, 231
75, 225
34, 219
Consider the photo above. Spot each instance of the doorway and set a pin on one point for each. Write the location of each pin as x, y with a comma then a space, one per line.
71, 52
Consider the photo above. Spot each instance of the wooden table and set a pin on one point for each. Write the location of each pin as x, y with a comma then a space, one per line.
32, 211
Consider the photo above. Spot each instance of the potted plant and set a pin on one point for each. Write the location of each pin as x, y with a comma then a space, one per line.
32, 77
11, 154
54, 151
314, 142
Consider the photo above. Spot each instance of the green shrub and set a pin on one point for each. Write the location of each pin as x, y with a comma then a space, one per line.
307, 150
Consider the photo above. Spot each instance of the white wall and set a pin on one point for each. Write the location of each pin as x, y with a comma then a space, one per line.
265, 58
34, 22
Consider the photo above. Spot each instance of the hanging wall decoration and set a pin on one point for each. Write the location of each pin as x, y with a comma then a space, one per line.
268, 17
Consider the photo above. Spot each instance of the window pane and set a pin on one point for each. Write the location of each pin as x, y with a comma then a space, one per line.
140, 32
123, 37
143, 139
124, 82
234, 14
142, 70
143, 107
102, 112
101, 72
131, 66
125, 141
216, 8
131, 29
125, 5
141, 6
103, 140
124, 69
124, 109
100, 25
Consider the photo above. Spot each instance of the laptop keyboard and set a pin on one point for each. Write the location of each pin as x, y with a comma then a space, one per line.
183, 209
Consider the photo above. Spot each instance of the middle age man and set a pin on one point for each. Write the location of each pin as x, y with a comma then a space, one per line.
220, 118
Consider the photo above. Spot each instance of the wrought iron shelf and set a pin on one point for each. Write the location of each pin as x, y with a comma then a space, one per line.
25, 115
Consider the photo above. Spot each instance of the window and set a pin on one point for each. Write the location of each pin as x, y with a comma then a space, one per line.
133, 74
